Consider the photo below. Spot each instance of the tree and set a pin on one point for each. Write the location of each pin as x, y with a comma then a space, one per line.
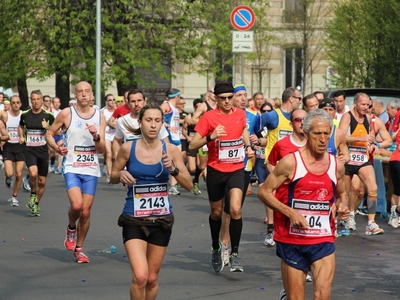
363, 45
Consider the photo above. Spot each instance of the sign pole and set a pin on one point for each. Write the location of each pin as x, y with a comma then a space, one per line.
242, 68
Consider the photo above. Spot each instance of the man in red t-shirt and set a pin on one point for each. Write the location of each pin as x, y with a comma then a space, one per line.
224, 130
309, 186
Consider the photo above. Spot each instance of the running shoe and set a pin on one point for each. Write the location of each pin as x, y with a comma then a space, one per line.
216, 259
81, 257
234, 263
70, 239
57, 171
195, 190
350, 223
173, 191
31, 201
282, 295
394, 218
35, 210
308, 278
361, 212
8, 182
25, 184
269, 239
265, 221
1, 163
373, 229
51, 169
225, 255
13, 201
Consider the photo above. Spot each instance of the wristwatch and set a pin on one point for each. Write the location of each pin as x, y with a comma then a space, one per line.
174, 172
97, 139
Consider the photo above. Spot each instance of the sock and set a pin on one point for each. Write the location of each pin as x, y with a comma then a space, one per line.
196, 175
352, 213
71, 228
215, 227
52, 160
235, 231
270, 227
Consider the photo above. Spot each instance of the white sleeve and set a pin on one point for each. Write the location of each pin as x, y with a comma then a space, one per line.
118, 131
163, 133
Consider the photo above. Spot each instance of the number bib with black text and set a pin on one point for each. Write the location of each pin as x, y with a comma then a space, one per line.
13, 133
358, 156
85, 156
283, 133
317, 214
151, 200
231, 151
35, 137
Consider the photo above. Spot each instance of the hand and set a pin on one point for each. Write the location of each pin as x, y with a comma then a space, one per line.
368, 138
254, 139
126, 178
249, 152
298, 220
62, 150
92, 129
21, 140
218, 131
168, 162
343, 212
44, 124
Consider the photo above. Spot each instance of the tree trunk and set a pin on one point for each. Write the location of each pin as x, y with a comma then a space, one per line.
62, 89
23, 92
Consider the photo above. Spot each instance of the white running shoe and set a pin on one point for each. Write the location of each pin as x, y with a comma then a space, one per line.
350, 223
13, 201
269, 239
394, 218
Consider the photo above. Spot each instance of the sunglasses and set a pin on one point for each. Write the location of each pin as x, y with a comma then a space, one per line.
298, 98
111, 99
265, 111
370, 106
298, 120
224, 98
15, 102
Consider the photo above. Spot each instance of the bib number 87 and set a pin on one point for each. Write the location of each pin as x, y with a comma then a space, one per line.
233, 153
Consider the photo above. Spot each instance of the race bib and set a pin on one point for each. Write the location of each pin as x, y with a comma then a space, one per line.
84, 156
282, 133
151, 200
35, 137
260, 153
316, 214
13, 133
231, 151
358, 155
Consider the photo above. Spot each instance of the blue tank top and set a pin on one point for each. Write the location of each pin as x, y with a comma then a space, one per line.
331, 144
144, 174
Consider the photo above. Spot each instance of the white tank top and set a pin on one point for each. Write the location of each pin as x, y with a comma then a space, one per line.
12, 127
82, 156
107, 116
172, 119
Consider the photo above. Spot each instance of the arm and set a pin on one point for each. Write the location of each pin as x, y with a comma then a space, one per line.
62, 118
112, 122
342, 200
173, 159
202, 108
118, 174
4, 133
384, 134
100, 144
185, 125
281, 174
116, 144
343, 151
246, 140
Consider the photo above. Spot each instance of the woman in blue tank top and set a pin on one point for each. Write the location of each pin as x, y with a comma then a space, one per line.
147, 217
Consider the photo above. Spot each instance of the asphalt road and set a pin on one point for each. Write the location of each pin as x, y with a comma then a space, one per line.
35, 265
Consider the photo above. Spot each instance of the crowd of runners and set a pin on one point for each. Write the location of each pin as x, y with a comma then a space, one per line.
311, 158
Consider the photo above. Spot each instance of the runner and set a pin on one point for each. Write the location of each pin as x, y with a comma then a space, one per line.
107, 111
13, 151
32, 132
224, 130
147, 216
84, 128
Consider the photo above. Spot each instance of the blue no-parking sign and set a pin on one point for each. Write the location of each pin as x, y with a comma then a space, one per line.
242, 17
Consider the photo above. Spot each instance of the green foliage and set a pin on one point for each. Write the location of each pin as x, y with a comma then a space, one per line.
363, 43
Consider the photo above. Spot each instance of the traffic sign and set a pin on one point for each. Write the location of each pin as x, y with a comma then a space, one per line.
242, 41
242, 17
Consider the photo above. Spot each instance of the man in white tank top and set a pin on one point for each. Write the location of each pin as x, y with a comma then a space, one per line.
107, 111
13, 151
84, 128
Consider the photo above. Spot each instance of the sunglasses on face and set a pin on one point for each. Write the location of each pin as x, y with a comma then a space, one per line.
298, 120
265, 111
370, 106
227, 97
111, 99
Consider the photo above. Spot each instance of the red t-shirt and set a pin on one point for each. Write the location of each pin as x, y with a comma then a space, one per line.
282, 148
121, 111
313, 196
234, 124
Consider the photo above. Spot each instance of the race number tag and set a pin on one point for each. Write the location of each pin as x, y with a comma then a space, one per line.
35, 137
150, 200
260, 153
13, 133
316, 214
231, 151
358, 156
85, 156
282, 133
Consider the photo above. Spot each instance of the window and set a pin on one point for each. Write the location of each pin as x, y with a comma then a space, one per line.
293, 65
